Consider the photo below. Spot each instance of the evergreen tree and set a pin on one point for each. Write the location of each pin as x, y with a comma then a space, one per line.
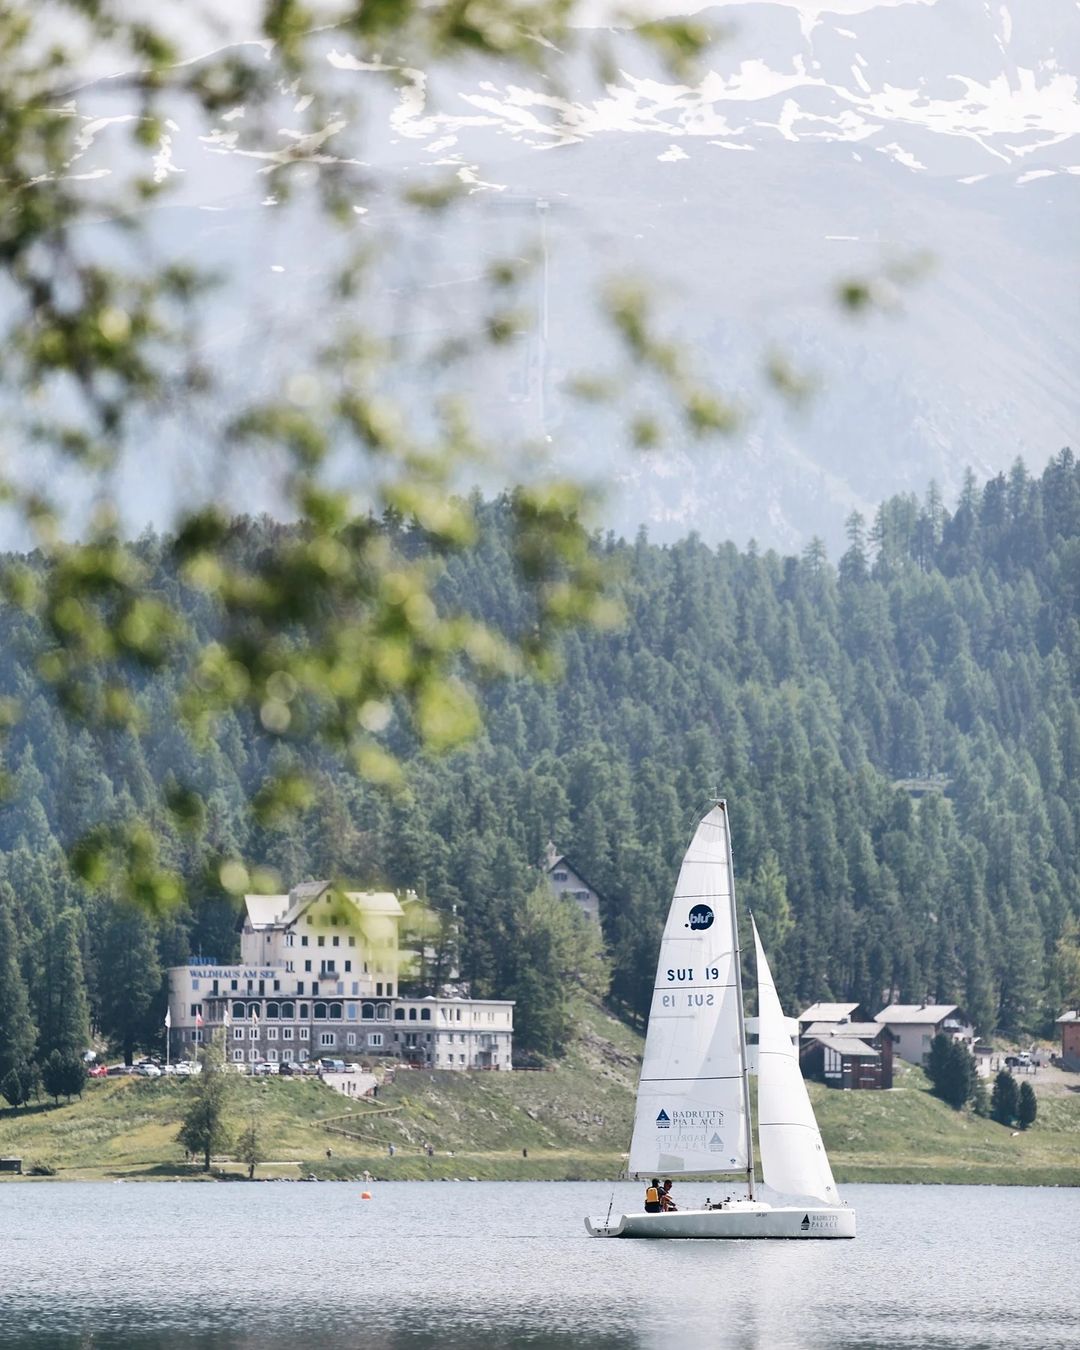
63, 1075
130, 979
1027, 1107
1004, 1100
952, 1071
63, 1019
17, 1032
203, 1129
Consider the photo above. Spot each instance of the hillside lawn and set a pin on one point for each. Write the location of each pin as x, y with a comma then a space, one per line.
574, 1121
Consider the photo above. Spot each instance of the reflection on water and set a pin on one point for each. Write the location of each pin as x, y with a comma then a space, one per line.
143, 1266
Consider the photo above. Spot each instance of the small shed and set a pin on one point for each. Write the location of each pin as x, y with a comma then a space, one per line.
11, 1165
851, 1055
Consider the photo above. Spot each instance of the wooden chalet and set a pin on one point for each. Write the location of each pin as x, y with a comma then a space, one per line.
848, 1054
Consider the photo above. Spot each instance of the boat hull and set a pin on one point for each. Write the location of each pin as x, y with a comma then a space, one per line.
749, 1219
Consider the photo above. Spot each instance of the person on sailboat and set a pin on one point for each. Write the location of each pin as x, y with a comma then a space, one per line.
652, 1196
667, 1200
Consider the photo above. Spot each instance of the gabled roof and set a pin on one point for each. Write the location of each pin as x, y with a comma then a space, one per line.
860, 1030
278, 911
916, 1014
264, 911
848, 1045
827, 1012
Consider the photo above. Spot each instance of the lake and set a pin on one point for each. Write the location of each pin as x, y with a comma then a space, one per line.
428, 1264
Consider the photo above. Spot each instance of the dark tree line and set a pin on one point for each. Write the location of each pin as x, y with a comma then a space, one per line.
898, 738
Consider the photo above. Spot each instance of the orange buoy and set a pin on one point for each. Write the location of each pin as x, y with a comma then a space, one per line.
365, 1195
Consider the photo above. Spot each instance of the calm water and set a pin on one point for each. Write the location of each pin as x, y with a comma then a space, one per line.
489, 1265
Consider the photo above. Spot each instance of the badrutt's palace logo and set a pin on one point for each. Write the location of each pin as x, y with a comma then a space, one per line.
663, 1120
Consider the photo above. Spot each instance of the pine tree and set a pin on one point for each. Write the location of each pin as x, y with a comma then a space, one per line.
1004, 1100
129, 980
63, 1018
1027, 1106
203, 1129
17, 1031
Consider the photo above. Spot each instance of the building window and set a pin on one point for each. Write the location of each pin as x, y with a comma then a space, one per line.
303, 1010
196, 1035
238, 1054
277, 986
352, 1012
254, 1033
271, 1055
314, 986
253, 1055
348, 966
271, 1033
303, 1055
374, 1038
367, 1012
196, 1010
307, 967
425, 1014
273, 1011
300, 989
305, 1033
335, 1013
352, 942
322, 940
382, 1012
286, 1033
194, 986
286, 1056
288, 1010
559, 876
399, 1014
356, 986
390, 988
378, 989
303, 941
239, 1012
238, 1033
327, 1038
290, 939
412, 1014
289, 968
319, 1012
233, 985
337, 940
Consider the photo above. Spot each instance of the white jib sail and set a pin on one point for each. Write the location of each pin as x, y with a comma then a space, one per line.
793, 1158
690, 1114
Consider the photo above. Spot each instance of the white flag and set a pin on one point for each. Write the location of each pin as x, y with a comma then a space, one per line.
168, 1017
226, 1019
254, 1016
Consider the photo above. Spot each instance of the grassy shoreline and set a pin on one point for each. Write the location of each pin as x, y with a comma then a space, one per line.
573, 1122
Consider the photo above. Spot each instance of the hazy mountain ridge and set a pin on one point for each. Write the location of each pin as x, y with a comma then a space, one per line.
817, 146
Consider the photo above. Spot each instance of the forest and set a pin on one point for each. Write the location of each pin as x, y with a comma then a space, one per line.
897, 735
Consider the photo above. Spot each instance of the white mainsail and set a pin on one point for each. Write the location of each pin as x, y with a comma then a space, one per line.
691, 1105
793, 1158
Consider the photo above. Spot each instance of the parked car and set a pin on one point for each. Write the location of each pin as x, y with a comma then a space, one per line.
264, 1068
183, 1068
1020, 1061
99, 1071
148, 1071
119, 1070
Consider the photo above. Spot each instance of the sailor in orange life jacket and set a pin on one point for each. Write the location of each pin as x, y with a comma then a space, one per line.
667, 1201
652, 1197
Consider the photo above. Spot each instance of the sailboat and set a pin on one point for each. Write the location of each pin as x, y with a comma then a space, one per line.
693, 1101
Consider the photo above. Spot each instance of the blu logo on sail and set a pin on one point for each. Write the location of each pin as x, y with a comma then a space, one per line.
701, 917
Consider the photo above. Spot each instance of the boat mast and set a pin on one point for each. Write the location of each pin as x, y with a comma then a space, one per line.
722, 804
